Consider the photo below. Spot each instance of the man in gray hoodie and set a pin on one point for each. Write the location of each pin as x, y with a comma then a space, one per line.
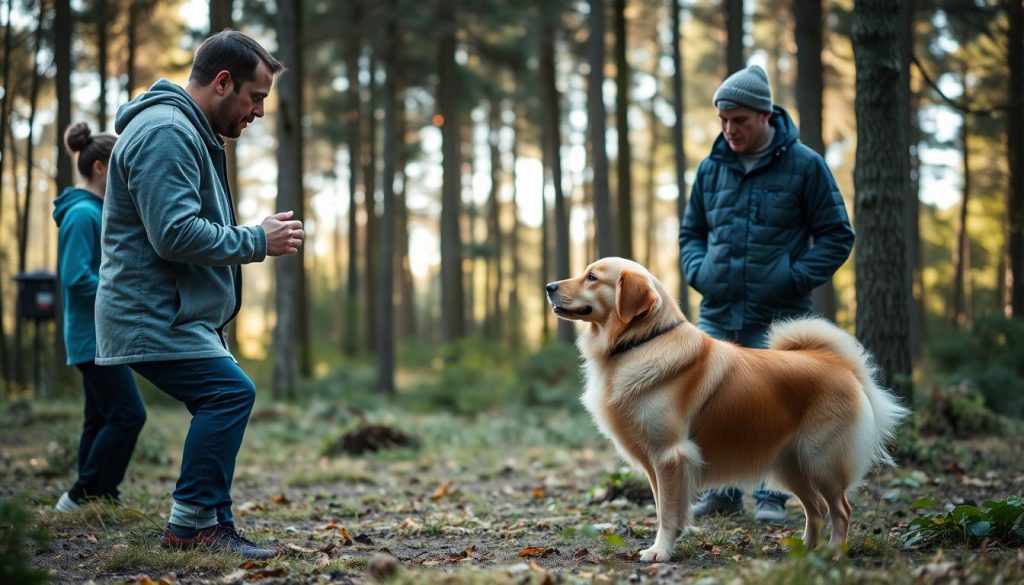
170, 276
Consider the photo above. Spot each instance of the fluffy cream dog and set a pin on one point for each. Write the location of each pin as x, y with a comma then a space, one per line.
694, 412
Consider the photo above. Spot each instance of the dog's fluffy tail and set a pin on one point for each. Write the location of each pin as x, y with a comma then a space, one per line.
886, 411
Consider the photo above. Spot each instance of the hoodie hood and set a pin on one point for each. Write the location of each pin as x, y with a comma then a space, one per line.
69, 198
164, 92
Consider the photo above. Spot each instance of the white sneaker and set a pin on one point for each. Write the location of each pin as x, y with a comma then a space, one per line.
65, 504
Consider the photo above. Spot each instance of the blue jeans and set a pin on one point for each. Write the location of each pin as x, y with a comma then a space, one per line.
220, 397
754, 337
114, 416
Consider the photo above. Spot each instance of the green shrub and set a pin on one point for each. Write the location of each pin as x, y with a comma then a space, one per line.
998, 520
988, 358
16, 535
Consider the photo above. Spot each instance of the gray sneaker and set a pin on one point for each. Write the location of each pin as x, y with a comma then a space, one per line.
769, 511
715, 504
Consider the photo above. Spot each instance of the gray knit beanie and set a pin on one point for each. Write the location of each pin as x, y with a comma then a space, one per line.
747, 87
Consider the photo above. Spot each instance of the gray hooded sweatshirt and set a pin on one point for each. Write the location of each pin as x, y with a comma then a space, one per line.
169, 274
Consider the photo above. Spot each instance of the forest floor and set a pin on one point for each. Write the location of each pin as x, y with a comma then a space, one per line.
500, 497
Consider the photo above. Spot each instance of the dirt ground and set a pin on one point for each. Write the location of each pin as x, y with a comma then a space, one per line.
506, 498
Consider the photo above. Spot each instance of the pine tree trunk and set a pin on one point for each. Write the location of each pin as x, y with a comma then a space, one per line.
624, 162
810, 87
63, 29
961, 249
355, 154
288, 270
370, 201
453, 309
102, 30
678, 144
5, 102
912, 208
881, 184
734, 30
1015, 154
407, 324
515, 309
607, 240
386, 284
494, 271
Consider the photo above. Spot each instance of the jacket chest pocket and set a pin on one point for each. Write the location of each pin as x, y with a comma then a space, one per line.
776, 207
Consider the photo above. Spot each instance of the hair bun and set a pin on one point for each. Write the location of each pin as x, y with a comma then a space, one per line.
77, 137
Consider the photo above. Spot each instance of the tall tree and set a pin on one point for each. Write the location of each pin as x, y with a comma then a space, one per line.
355, 173
452, 305
959, 307
63, 33
624, 161
734, 32
370, 203
810, 87
289, 271
881, 183
515, 309
407, 290
101, 20
386, 284
5, 104
678, 144
1015, 153
494, 235
912, 209
221, 15
552, 138
607, 241
30, 163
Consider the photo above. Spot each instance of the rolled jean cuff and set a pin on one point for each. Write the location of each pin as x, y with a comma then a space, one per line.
191, 516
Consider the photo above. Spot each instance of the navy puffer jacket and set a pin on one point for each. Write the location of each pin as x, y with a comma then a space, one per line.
746, 238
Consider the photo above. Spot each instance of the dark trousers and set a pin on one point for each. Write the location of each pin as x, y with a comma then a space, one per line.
756, 337
114, 415
220, 397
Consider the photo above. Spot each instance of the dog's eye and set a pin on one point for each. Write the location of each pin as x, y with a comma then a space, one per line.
591, 277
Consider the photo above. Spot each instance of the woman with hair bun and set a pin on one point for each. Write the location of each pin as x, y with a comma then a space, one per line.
114, 413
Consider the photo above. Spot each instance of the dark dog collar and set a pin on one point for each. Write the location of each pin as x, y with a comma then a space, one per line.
624, 347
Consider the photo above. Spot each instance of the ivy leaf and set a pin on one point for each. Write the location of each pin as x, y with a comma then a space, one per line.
979, 529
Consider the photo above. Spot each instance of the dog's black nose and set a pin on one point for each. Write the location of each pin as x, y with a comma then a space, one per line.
551, 287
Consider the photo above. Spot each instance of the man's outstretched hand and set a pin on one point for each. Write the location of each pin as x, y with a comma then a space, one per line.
284, 235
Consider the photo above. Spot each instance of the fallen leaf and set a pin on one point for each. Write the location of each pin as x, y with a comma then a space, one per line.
537, 551
141, 580
536, 567
298, 549
346, 538
91, 537
322, 559
233, 577
441, 491
265, 573
329, 526
538, 493
281, 500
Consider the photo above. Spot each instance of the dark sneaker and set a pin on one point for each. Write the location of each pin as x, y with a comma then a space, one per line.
715, 504
221, 537
769, 511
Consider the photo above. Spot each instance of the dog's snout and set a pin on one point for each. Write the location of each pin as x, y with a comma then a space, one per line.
551, 287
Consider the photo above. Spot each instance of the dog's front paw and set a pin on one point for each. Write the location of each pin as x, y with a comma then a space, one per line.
655, 555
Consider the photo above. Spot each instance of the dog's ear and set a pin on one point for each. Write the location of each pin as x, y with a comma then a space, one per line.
633, 296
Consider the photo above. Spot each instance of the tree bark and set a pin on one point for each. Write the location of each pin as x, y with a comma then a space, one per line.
515, 309
607, 240
407, 324
63, 29
734, 31
624, 176
552, 137
386, 284
453, 309
370, 202
961, 249
1015, 154
5, 102
102, 30
881, 186
912, 221
288, 270
355, 172
678, 144
494, 271
810, 88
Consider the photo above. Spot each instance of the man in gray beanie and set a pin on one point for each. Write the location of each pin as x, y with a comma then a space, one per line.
758, 202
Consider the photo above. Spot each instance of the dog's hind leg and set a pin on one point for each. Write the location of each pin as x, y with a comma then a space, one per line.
815, 508
839, 511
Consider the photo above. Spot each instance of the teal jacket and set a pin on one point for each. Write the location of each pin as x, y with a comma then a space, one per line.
77, 213
746, 237
169, 277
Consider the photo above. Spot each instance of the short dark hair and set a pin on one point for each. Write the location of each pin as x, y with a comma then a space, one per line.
235, 52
